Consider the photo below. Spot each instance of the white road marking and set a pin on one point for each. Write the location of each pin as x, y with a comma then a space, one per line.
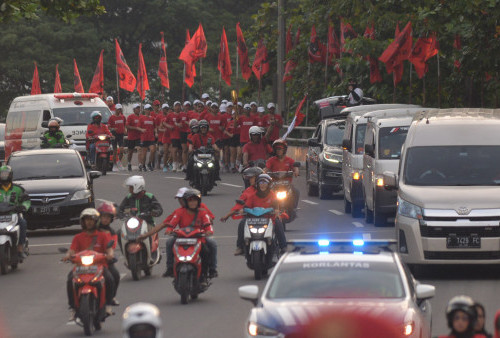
358, 224
367, 237
175, 178
336, 212
309, 202
232, 185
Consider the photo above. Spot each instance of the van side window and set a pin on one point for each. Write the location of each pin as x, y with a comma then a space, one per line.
22, 121
316, 132
319, 133
348, 133
46, 115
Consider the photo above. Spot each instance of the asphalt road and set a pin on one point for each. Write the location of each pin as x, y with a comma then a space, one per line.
33, 298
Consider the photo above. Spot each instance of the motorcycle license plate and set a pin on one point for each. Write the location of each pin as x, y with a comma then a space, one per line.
463, 241
86, 269
204, 171
257, 221
204, 156
46, 210
103, 145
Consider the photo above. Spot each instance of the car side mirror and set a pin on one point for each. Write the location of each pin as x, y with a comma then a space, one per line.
313, 142
249, 292
369, 150
94, 174
390, 180
296, 165
45, 124
425, 291
346, 145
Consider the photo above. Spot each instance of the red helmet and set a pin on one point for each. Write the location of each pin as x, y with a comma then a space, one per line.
107, 208
280, 142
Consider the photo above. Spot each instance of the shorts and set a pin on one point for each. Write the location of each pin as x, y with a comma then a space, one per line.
184, 137
220, 143
147, 144
176, 143
242, 144
132, 144
117, 141
234, 141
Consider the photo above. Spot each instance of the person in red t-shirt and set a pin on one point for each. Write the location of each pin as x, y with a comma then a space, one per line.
198, 109
225, 116
116, 124
164, 136
273, 123
253, 109
172, 123
202, 139
90, 239
94, 129
110, 103
260, 117
190, 215
184, 131
257, 150
160, 130
148, 139
156, 108
133, 133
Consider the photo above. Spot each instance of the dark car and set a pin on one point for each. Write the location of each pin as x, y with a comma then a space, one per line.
324, 159
57, 183
2, 142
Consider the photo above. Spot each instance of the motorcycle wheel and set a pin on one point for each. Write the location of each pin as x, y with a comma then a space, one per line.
204, 185
257, 264
87, 313
133, 266
184, 287
4, 258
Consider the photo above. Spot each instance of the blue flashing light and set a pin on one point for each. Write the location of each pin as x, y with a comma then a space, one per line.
358, 242
323, 242
324, 253
357, 252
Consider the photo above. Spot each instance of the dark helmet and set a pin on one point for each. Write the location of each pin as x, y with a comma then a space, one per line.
107, 208
96, 116
461, 303
6, 174
190, 193
280, 143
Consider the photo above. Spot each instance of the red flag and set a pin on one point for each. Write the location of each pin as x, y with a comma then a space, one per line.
375, 75
126, 77
399, 50
299, 117
297, 38
224, 64
260, 64
333, 44
57, 83
424, 49
196, 48
35, 83
189, 71
76, 79
246, 71
163, 67
346, 32
289, 43
289, 67
457, 44
316, 49
142, 76
97, 85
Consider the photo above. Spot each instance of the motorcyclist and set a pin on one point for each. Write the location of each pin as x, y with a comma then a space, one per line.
461, 316
141, 320
16, 196
178, 196
249, 176
94, 129
281, 162
107, 211
355, 93
53, 138
195, 129
146, 203
90, 239
190, 215
202, 139
257, 150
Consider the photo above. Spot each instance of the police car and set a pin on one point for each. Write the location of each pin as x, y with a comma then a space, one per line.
319, 277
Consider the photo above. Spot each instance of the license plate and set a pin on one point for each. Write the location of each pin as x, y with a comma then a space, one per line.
86, 269
46, 210
463, 241
257, 221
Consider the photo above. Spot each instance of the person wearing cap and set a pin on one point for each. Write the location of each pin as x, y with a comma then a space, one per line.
205, 97
206, 110
232, 142
164, 135
172, 123
184, 131
110, 103
159, 117
116, 124
156, 108
225, 116
148, 139
133, 133
198, 110
272, 122
260, 117
245, 121
253, 108
216, 122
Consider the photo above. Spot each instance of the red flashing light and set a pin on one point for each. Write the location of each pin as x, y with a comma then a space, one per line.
76, 96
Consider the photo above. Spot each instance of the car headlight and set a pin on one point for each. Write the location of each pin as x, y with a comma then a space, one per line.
87, 260
408, 328
81, 195
255, 329
199, 165
408, 209
334, 158
210, 165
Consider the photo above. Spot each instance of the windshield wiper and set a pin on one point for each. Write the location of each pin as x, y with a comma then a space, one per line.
71, 176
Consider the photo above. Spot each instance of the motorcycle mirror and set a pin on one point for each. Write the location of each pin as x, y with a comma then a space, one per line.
62, 250
110, 244
68, 136
240, 202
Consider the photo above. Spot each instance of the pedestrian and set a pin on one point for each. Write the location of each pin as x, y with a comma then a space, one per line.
184, 131
165, 137
110, 103
273, 122
133, 133
173, 125
148, 138
116, 124
160, 130
481, 319
253, 109
497, 324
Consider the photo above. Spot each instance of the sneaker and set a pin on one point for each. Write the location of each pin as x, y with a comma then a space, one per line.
213, 273
150, 167
140, 167
169, 272
109, 310
72, 315
174, 167
120, 166
170, 167
21, 256
238, 252
115, 302
115, 168
129, 167
165, 169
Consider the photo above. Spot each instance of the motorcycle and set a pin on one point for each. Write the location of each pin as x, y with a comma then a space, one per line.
89, 290
103, 152
190, 273
138, 256
9, 238
282, 187
260, 241
203, 170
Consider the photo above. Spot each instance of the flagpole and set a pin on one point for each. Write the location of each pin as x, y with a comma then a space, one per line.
237, 68
201, 77
260, 82
409, 93
184, 82
307, 102
117, 85
423, 84
394, 87
220, 88
439, 82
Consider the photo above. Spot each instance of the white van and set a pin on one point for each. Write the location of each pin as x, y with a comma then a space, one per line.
352, 155
449, 183
27, 113
385, 134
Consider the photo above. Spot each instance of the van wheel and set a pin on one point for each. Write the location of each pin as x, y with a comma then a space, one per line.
368, 215
312, 190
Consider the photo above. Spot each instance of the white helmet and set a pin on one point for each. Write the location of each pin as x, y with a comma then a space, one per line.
141, 320
137, 182
254, 130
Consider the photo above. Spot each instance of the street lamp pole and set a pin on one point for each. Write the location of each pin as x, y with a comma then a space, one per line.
281, 57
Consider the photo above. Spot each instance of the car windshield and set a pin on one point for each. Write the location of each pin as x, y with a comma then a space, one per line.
47, 166
360, 138
453, 166
337, 280
334, 134
80, 116
391, 140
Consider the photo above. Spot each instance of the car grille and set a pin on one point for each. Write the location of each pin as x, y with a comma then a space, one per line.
48, 198
461, 255
427, 231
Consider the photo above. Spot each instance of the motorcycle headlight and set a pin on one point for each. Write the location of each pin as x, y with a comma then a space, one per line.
132, 223
87, 260
334, 158
101, 137
281, 195
408, 209
81, 195
254, 230
199, 165
255, 329
210, 165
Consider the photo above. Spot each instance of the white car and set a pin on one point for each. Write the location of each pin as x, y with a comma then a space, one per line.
320, 276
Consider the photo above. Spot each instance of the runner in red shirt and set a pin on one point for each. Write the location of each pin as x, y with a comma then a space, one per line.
116, 124
257, 149
184, 131
148, 139
133, 133
173, 125
225, 117
110, 103
164, 135
273, 123
156, 108
253, 109
190, 215
245, 121
198, 109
